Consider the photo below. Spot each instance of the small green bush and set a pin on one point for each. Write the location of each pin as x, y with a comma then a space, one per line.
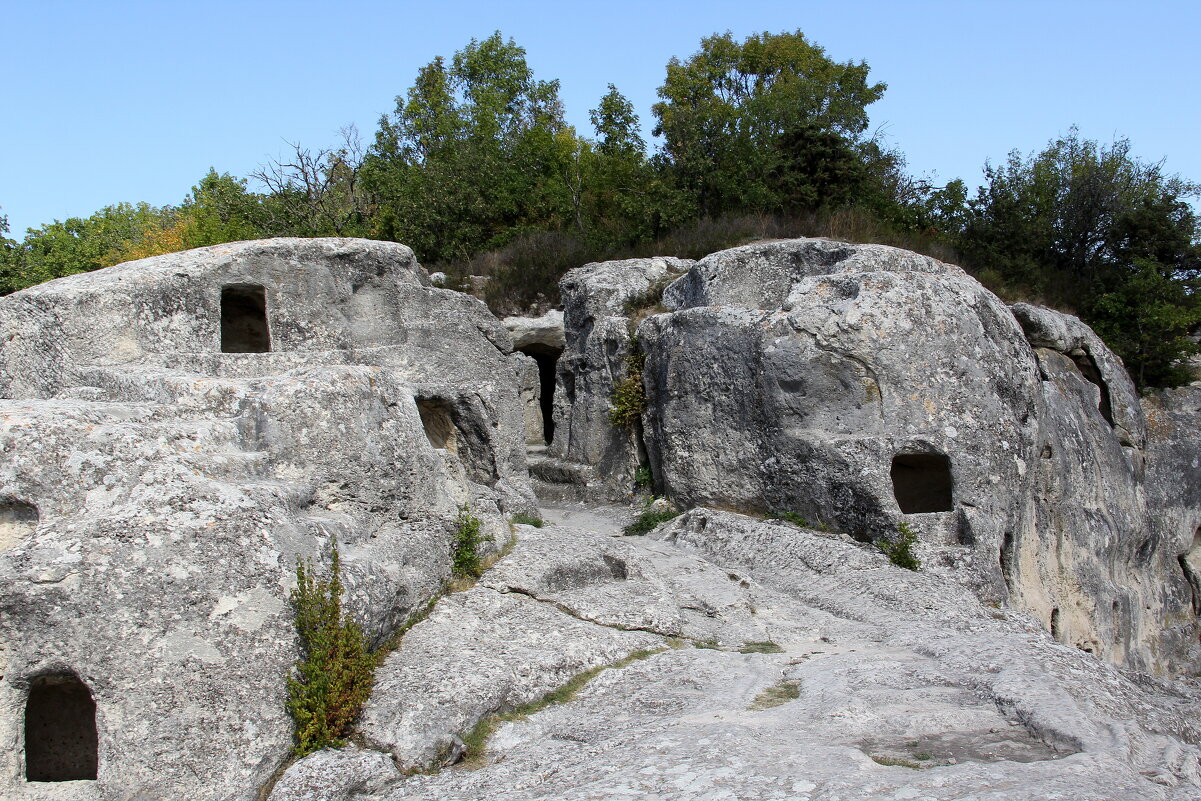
465, 557
899, 549
643, 478
629, 396
791, 517
649, 518
522, 519
333, 678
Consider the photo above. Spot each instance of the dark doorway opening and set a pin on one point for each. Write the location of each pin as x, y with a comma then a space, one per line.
547, 359
922, 482
244, 319
60, 730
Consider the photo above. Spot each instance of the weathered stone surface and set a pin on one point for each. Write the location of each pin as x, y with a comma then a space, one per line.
337, 775
596, 308
160, 490
861, 386
546, 330
479, 652
863, 681
529, 387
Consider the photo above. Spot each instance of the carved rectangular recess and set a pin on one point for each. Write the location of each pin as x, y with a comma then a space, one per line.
244, 327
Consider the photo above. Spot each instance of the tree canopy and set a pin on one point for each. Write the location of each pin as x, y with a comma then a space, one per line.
1093, 227
478, 171
735, 112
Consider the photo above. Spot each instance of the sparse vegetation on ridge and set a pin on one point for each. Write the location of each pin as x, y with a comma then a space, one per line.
465, 556
654, 512
629, 396
776, 695
476, 740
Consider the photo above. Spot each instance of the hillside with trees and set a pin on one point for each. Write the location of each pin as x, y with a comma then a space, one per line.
477, 170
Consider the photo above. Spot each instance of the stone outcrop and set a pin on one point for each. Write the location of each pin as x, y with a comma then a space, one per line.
864, 386
598, 302
778, 662
177, 432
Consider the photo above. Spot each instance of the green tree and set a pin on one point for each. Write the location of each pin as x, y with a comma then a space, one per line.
1146, 320
219, 209
735, 113
77, 244
621, 185
474, 153
1093, 227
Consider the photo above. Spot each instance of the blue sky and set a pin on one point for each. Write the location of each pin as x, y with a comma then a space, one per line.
129, 101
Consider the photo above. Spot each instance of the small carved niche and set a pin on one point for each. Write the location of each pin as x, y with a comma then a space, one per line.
922, 482
17, 521
60, 730
439, 427
244, 326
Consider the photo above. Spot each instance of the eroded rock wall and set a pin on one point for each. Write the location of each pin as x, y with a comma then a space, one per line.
864, 386
598, 300
174, 486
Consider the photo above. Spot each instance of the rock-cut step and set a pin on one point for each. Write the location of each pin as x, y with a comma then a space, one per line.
555, 479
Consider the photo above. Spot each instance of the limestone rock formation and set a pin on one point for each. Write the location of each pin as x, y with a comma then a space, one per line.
177, 432
537, 344
777, 662
598, 301
863, 386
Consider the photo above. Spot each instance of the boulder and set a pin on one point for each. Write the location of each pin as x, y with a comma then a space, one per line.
179, 432
598, 303
545, 331
861, 387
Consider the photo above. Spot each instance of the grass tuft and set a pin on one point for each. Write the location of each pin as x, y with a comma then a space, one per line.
776, 695
476, 740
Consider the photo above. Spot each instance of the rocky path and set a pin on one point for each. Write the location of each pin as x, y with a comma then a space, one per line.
747, 660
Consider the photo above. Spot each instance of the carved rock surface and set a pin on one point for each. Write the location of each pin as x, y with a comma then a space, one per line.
598, 300
802, 665
156, 491
860, 386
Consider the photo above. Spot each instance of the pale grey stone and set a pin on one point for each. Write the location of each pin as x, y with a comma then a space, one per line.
596, 300
881, 683
546, 330
480, 652
789, 377
159, 491
348, 774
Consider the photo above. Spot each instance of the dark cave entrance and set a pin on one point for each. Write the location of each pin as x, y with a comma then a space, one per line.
547, 358
922, 482
60, 730
1088, 368
244, 326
